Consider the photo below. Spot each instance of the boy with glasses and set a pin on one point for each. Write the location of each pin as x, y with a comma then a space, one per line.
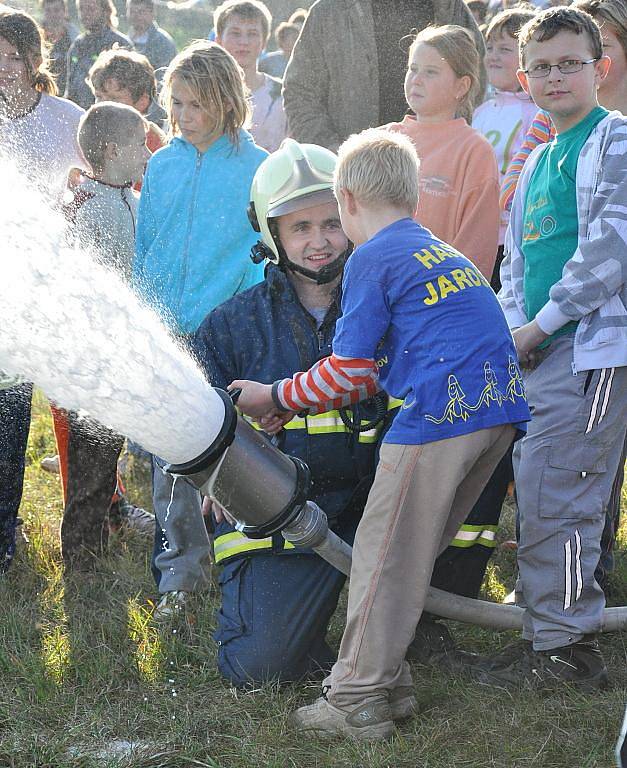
564, 294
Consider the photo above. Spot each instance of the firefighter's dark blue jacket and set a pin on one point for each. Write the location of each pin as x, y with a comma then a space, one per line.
264, 334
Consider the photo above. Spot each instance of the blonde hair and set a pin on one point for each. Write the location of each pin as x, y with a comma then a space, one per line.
217, 83
105, 123
379, 167
459, 50
22, 31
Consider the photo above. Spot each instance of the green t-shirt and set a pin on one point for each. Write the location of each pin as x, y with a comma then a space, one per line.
551, 220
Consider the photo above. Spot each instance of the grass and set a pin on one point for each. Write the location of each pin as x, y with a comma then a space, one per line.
88, 681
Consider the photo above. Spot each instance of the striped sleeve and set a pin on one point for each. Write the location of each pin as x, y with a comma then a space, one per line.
333, 382
540, 132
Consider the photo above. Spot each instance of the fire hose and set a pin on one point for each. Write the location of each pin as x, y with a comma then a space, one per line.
265, 492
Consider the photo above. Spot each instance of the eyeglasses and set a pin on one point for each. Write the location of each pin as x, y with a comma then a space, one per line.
568, 67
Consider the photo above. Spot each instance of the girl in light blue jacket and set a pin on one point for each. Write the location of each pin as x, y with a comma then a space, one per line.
192, 253
193, 236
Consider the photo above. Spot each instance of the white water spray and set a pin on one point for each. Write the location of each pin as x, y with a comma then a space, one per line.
76, 330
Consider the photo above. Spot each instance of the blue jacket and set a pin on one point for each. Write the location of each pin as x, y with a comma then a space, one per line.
193, 236
264, 334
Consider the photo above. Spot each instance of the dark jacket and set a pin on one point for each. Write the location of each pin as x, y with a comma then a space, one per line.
159, 48
264, 334
331, 84
82, 54
57, 57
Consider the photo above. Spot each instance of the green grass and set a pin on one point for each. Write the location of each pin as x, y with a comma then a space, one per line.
83, 669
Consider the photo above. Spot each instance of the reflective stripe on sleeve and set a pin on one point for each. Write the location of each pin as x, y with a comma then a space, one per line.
469, 535
231, 544
324, 424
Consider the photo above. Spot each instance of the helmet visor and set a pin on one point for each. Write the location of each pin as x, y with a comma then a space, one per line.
318, 197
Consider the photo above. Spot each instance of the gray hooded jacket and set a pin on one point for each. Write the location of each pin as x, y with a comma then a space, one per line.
593, 287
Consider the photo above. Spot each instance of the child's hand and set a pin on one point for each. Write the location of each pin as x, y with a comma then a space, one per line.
211, 506
255, 400
527, 338
274, 423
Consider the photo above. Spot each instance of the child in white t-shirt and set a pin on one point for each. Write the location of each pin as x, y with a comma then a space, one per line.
505, 117
243, 28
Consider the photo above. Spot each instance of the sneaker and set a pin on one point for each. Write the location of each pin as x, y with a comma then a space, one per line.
50, 464
432, 638
171, 604
370, 720
403, 702
581, 664
135, 518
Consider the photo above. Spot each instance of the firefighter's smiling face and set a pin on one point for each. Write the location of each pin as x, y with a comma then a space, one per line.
312, 237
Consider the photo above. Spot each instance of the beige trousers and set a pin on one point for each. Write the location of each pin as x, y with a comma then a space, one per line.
420, 496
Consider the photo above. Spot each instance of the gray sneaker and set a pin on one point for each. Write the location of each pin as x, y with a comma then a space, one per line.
171, 605
137, 519
403, 702
432, 638
50, 464
370, 720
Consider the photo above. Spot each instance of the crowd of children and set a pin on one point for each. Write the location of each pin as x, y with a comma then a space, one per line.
542, 366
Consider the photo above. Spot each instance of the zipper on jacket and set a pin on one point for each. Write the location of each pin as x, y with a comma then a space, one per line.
573, 368
130, 210
320, 337
188, 234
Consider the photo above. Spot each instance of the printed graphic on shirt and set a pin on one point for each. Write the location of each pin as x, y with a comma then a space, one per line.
515, 385
536, 224
452, 282
437, 186
499, 139
458, 408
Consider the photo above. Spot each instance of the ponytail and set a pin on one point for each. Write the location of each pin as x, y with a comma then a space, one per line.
44, 82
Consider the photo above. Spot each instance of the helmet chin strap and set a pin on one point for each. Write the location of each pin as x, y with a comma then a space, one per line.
321, 276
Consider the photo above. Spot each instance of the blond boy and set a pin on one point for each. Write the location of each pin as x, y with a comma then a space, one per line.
421, 322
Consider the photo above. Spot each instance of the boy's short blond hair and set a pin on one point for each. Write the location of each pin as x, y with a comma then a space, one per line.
379, 168
105, 123
251, 10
